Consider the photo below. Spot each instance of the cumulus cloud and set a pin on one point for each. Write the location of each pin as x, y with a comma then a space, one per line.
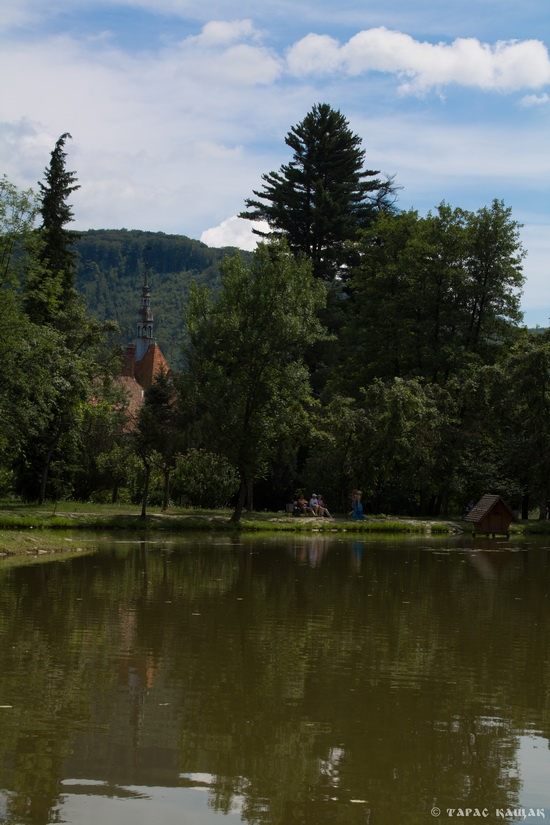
158, 137
234, 232
224, 32
231, 51
535, 100
505, 66
175, 136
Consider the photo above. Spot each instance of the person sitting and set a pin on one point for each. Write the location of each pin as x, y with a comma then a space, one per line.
322, 509
314, 505
301, 503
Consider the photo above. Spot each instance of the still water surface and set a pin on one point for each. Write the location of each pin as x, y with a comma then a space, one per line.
294, 681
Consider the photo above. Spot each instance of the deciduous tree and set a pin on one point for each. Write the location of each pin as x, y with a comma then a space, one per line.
159, 439
433, 295
19, 243
245, 359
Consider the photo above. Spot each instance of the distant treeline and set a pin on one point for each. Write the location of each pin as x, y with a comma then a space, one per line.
111, 268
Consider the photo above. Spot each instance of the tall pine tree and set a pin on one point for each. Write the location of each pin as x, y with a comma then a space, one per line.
51, 288
324, 196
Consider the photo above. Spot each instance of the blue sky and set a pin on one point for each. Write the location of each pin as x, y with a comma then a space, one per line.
176, 107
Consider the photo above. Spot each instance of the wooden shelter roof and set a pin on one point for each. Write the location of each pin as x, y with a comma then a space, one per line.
484, 506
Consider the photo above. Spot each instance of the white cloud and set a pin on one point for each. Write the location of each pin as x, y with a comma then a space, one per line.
223, 33
249, 65
535, 100
222, 53
234, 232
505, 66
175, 139
314, 54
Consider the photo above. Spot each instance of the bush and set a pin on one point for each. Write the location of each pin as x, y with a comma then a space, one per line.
204, 479
6, 482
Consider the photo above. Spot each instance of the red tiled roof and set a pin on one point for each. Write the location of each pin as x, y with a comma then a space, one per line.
138, 376
135, 399
150, 365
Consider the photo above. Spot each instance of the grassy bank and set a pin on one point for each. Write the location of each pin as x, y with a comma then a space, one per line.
24, 526
31, 529
29, 545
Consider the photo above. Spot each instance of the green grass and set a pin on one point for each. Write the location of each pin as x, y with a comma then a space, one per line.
28, 545
17, 518
369, 525
531, 528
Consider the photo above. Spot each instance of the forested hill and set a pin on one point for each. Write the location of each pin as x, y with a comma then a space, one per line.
111, 270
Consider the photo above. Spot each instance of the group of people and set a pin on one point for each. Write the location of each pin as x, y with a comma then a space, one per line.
315, 506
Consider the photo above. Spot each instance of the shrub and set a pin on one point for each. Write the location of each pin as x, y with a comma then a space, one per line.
204, 479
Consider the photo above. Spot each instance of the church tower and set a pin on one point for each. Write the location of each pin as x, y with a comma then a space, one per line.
143, 358
144, 337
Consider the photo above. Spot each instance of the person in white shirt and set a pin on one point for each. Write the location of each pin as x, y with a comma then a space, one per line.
314, 505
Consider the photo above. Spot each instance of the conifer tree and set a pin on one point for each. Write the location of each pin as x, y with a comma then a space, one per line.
57, 213
324, 196
51, 288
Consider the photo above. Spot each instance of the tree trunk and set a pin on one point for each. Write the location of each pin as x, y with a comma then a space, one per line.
44, 481
166, 491
46, 469
525, 507
543, 511
145, 491
236, 517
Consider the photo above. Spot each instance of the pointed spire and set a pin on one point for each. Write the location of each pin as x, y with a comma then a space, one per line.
144, 321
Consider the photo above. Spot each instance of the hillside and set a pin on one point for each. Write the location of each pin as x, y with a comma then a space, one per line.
110, 274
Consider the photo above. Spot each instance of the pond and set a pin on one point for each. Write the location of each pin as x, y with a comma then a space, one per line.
293, 681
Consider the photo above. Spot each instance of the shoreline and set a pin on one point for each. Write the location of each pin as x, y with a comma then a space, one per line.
27, 530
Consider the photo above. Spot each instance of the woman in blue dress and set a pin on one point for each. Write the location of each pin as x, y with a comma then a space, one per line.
357, 512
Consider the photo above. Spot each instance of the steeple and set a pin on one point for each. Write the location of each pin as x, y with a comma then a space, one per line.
144, 321
142, 360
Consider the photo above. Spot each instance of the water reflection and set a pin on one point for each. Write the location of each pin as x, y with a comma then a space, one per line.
287, 682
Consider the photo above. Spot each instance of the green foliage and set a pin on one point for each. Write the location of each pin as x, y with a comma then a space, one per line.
520, 385
110, 274
46, 369
404, 441
433, 295
29, 355
19, 243
49, 283
58, 254
104, 450
204, 479
56, 379
427, 396
244, 358
390, 444
324, 195
336, 463
159, 438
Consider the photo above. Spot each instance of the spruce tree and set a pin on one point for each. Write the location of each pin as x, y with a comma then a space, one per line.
324, 196
52, 288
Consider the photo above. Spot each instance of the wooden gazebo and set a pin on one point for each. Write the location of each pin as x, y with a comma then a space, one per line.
491, 516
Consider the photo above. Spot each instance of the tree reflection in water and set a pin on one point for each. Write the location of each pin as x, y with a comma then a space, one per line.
287, 681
